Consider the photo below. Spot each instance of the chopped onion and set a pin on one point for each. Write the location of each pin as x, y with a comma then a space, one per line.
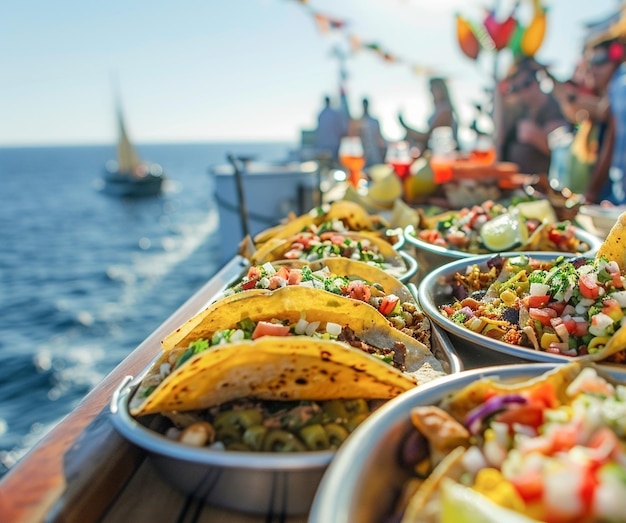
491, 406
334, 329
269, 268
301, 326
311, 328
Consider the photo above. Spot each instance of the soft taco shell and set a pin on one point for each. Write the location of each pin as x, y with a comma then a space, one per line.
462, 402
353, 216
276, 249
288, 304
274, 368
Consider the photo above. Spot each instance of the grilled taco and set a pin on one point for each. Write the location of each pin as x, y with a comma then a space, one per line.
548, 449
296, 343
345, 277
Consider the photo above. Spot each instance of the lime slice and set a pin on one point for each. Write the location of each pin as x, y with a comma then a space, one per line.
460, 504
541, 210
385, 190
504, 232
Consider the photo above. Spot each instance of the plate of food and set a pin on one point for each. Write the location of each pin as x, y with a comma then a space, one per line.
515, 443
249, 400
536, 306
493, 227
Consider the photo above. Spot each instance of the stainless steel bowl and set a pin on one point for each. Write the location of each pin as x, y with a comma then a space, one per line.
431, 256
365, 478
246, 481
433, 291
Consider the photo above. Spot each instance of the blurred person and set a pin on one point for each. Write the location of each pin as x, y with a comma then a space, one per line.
609, 70
374, 145
443, 115
532, 115
331, 127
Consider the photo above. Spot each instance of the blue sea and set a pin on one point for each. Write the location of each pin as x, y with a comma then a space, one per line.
85, 277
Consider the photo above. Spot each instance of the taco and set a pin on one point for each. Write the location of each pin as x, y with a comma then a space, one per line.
551, 448
269, 347
338, 216
310, 246
344, 277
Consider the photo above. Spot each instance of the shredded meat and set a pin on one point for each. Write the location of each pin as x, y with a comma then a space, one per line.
397, 353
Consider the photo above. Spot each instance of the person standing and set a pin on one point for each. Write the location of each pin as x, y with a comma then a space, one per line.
374, 145
331, 127
525, 137
443, 115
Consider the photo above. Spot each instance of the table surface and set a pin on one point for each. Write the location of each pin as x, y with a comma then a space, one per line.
53, 484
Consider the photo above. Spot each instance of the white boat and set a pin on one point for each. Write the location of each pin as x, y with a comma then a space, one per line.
129, 176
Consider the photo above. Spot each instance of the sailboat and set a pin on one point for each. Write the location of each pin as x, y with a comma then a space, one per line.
129, 176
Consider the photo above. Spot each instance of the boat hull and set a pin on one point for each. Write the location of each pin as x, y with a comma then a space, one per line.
128, 186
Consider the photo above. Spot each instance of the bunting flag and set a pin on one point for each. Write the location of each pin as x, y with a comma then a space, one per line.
326, 24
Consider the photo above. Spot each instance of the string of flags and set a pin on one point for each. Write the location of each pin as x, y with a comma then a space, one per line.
326, 24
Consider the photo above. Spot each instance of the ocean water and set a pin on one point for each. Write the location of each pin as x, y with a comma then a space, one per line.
85, 277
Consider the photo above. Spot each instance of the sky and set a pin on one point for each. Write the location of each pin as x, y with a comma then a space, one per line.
242, 70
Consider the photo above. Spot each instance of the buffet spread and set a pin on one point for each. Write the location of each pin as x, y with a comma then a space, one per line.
346, 364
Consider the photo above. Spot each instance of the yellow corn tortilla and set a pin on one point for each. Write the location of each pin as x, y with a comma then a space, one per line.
274, 368
614, 246
287, 304
353, 216
276, 249
462, 402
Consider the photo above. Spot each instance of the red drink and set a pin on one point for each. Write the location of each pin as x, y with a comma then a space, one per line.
401, 168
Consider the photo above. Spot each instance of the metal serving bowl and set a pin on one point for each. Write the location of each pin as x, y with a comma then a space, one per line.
365, 479
433, 292
256, 482
430, 256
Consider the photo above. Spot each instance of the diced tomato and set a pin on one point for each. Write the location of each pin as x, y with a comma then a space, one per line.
570, 324
448, 310
543, 394
529, 485
587, 488
563, 437
538, 301
251, 284
254, 273
588, 287
530, 415
295, 277
611, 308
557, 306
265, 328
387, 304
357, 290
282, 272
542, 315
293, 254
582, 328
605, 440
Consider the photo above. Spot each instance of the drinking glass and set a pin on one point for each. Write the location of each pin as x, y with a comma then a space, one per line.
352, 157
399, 157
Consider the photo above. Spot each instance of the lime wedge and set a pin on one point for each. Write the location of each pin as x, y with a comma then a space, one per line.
460, 504
504, 232
386, 189
541, 210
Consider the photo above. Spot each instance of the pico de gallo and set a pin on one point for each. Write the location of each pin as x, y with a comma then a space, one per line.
552, 453
403, 315
568, 306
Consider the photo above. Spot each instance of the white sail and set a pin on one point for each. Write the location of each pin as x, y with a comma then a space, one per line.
127, 158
